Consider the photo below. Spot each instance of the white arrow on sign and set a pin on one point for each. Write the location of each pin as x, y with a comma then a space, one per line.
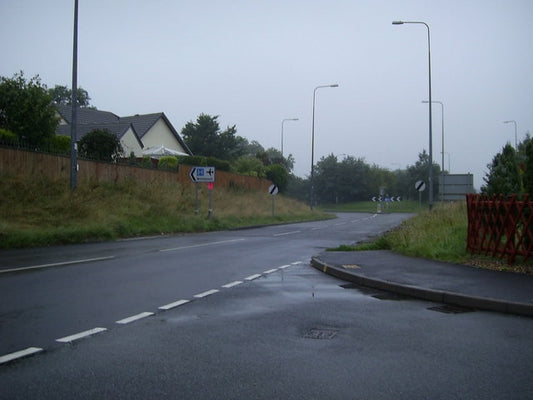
202, 174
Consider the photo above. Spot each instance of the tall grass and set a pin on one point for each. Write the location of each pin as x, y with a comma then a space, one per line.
44, 212
439, 234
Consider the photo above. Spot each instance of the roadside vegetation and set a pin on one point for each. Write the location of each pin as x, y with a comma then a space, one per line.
437, 235
45, 212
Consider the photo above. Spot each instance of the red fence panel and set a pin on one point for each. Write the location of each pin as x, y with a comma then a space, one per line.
500, 227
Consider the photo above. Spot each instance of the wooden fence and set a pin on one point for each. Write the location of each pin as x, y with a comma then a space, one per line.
500, 227
35, 164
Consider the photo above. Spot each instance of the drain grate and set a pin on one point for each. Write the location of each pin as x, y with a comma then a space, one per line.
320, 334
449, 309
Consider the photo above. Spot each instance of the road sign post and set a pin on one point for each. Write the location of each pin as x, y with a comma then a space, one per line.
203, 175
273, 191
420, 186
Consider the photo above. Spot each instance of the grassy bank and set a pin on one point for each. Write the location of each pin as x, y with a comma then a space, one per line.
437, 235
45, 212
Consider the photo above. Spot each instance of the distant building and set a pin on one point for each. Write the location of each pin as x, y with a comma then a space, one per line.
136, 133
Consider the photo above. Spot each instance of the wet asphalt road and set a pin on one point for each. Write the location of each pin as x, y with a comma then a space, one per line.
288, 331
290, 334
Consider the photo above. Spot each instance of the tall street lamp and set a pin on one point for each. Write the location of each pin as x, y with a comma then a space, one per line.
515, 134
282, 122
313, 141
430, 116
74, 101
442, 148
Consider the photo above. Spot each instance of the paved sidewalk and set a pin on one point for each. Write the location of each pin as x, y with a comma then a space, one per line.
431, 280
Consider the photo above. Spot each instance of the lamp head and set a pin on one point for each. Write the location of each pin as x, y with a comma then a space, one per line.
334, 85
397, 22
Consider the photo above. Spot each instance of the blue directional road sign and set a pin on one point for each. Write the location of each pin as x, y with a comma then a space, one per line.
202, 174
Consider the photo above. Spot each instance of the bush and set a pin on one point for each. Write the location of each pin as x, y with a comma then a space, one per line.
7, 137
278, 174
59, 144
200, 161
220, 165
168, 163
100, 145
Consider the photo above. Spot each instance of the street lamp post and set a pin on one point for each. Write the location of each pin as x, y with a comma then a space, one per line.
313, 142
430, 115
442, 144
282, 122
74, 101
515, 132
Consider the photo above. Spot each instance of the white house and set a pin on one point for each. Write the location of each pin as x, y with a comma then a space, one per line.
136, 133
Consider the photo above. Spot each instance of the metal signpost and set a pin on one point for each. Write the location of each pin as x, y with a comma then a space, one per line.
273, 191
420, 186
203, 175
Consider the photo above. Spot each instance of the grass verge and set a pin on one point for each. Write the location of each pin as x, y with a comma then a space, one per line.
437, 235
45, 212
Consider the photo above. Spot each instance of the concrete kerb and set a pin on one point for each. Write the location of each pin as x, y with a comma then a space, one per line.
437, 296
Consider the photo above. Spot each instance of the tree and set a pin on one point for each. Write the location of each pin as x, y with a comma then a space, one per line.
273, 156
26, 109
100, 145
503, 176
419, 172
205, 138
278, 174
62, 95
528, 169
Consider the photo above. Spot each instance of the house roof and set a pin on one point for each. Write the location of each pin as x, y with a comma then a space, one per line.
89, 119
87, 115
143, 123
117, 129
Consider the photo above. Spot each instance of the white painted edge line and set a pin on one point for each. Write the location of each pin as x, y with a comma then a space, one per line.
56, 264
202, 245
81, 335
206, 293
231, 284
297, 263
286, 233
252, 277
270, 271
19, 354
174, 304
284, 266
135, 318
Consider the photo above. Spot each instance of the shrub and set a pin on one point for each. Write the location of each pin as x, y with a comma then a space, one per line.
100, 145
59, 144
168, 163
7, 137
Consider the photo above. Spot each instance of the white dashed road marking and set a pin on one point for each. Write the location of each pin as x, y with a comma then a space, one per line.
206, 293
173, 305
287, 233
81, 335
58, 264
202, 245
232, 284
135, 317
69, 339
19, 354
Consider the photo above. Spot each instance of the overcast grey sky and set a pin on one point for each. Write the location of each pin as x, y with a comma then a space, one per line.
256, 62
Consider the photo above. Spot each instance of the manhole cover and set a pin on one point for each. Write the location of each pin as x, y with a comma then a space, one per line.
317, 333
449, 309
